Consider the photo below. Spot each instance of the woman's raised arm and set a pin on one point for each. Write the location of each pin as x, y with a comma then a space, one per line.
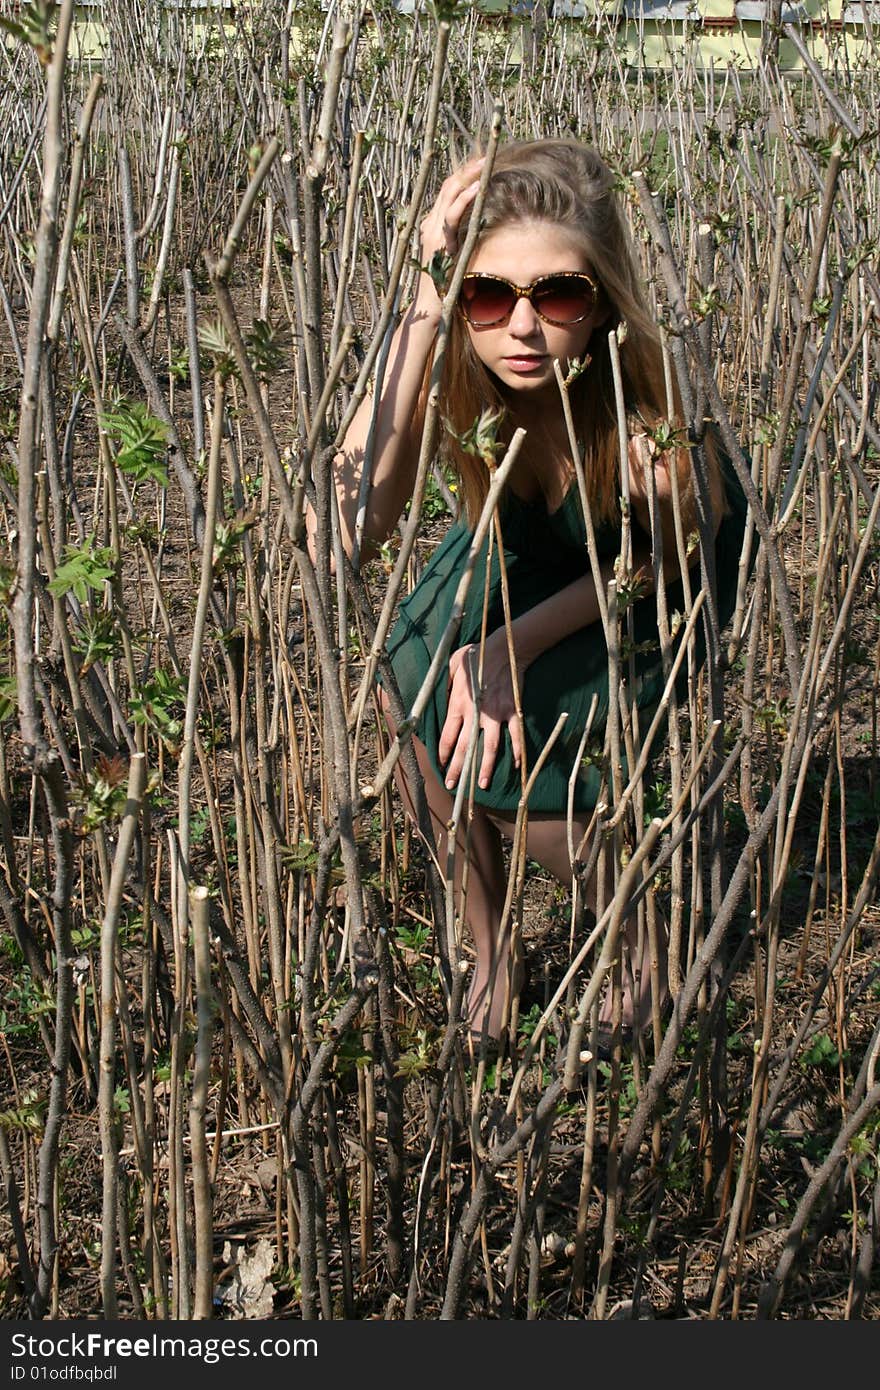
398, 421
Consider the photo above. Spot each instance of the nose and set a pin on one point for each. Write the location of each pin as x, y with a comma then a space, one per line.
523, 322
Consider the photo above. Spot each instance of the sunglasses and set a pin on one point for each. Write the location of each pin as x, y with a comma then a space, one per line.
563, 299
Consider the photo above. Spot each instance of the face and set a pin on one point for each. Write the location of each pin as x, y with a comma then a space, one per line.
520, 351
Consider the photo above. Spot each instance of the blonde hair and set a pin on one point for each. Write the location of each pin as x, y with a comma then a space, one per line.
567, 184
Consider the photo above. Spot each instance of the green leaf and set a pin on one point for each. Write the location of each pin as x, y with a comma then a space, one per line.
439, 268
159, 706
266, 346
82, 568
481, 438
96, 639
141, 440
215, 343
821, 1053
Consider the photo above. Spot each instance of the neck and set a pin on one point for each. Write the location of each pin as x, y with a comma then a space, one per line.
542, 417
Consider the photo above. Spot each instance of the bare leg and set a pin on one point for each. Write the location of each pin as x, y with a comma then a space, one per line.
548, 845
480, 846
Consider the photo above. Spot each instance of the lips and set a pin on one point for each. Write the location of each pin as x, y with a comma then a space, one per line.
524, 364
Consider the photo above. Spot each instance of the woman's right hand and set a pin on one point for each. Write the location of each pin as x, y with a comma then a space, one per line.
439, 229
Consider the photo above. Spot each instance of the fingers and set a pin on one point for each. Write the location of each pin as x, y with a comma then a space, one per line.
455, 737
498, 708
449, 736
491, 740
458, 747
516, 739
440, 227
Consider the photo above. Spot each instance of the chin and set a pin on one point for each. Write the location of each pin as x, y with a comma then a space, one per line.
512, 381
529, 385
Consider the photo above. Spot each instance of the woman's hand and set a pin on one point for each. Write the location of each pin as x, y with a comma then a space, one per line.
439, 229
497, 708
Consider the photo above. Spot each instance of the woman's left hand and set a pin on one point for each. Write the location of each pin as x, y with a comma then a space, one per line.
497, 708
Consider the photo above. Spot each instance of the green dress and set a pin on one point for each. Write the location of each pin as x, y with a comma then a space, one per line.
544, 551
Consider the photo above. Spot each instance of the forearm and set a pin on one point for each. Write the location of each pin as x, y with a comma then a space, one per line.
391, 434
554, 619
574, 607
395, 439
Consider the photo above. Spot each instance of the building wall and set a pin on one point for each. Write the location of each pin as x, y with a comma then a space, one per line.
719, 32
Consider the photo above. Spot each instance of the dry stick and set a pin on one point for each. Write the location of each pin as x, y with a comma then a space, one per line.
739, 882
165, 247
788, 511
44, 761
464, 788
660, 714
771, 1292
132, 273
177, 1223
299, 1132
673, 742
801, 761
517, 853
47, 384
312, 186
206, 578
13, 1206
346, 243
44, 269
74, 692
516, 879
158, 406
26, 157
203, 1245
694, 411
153, 1258
616, 913
394, 1101
795, 360
673, 818
798, 459
389, 302
520, 1233
692, 336
269, 835
677, 897
341, 771
152, 216
334, 706
861, 1282
731, 444
195, 370
137, 781
222, 269
534, 1123
863, 898
600, 577
438, 66
793, 34
76, 174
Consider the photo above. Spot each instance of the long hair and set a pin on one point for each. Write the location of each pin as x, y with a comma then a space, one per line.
567, 184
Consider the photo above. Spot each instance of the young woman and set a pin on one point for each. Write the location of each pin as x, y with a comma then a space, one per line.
553, 273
